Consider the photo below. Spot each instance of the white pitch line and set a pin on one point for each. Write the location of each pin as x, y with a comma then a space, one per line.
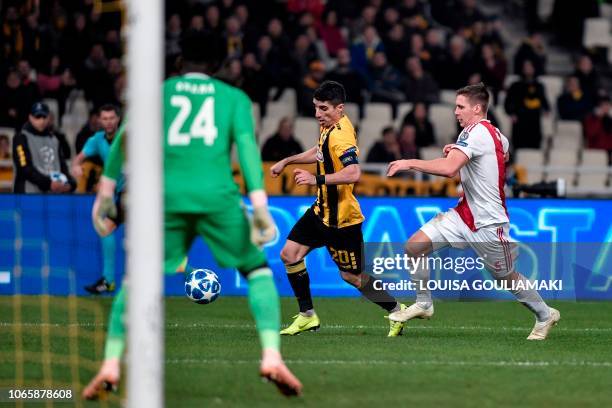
501, 363
323, 327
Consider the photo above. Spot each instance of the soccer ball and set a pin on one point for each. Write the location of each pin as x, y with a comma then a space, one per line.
202, 286
59, 177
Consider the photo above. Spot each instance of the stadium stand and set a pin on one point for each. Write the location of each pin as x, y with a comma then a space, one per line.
270, 62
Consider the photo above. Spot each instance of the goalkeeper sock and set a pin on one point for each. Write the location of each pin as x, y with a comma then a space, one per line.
115, 339
185, 268
381, 297
265, 307
531, 299
300, 283
108, 253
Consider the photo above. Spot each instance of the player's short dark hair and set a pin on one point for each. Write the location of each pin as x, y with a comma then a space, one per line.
200, 52
332, 92
477, 94
109, 107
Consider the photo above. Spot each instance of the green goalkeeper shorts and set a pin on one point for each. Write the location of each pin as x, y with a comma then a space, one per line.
226, 233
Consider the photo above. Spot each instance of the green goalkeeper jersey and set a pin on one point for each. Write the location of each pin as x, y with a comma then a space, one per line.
203, 118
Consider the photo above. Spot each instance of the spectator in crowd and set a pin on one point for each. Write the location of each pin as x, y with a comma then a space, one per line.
457, 65
466, 14
304, 52
492, 68
96, 81
387, 149
330, 33
174, 32
14, 101
312, 80
407, 142
212, 21
588, 77
255, 84
395, 47
525, 103
233, 38
573, 104
56, 81
531, 49
231, 72
598, 125
419, 118
282, 143
88, 129
419, 85
385, 81
38, 159
364, 49
354, 82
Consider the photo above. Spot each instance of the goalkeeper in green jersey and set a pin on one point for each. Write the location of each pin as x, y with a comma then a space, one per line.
203, 117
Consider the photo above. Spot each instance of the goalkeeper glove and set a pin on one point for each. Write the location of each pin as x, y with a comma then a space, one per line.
104, 206
263, 229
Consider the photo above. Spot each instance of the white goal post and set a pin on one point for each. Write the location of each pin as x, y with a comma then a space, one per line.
144, 227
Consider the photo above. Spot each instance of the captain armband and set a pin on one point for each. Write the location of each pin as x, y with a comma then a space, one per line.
349, 156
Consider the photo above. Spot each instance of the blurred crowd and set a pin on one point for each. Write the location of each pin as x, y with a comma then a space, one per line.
389, 51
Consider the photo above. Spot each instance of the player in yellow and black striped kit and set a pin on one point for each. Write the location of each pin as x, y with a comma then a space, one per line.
335, 219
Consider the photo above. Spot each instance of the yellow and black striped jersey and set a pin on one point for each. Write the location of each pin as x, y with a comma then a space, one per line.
336, 205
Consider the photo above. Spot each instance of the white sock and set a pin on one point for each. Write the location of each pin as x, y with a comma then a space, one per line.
531, 299
308, 313
421, 274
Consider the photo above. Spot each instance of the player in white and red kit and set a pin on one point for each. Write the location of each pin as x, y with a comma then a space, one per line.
480, 220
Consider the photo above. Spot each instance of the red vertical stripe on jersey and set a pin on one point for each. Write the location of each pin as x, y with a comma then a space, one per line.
501, 165
463, 209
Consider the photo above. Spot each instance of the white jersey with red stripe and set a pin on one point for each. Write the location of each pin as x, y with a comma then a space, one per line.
483, 177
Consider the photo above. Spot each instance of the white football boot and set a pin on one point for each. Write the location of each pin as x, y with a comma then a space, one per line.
414, 311
541, 329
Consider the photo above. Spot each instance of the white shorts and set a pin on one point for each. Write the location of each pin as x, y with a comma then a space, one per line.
492, 243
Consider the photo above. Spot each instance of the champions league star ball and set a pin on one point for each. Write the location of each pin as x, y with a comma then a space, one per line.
60, 177
202, 286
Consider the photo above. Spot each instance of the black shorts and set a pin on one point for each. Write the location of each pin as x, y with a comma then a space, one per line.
120, 218
345, 245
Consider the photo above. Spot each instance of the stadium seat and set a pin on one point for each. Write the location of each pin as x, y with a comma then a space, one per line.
288, 96
562, 164
568, 135
267, 129
545, 9
605, 10
553, 87
443, 120
430, 152
533, 161
594, 157
402, 110
368, 133
448, 96
380, 112
504, 123
256, 116
352, 111
279, 109
510, 79
80, 110
593, 171
54, 108
596, 33
307, 132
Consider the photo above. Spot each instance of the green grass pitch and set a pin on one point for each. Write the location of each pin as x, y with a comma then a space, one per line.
469, 354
